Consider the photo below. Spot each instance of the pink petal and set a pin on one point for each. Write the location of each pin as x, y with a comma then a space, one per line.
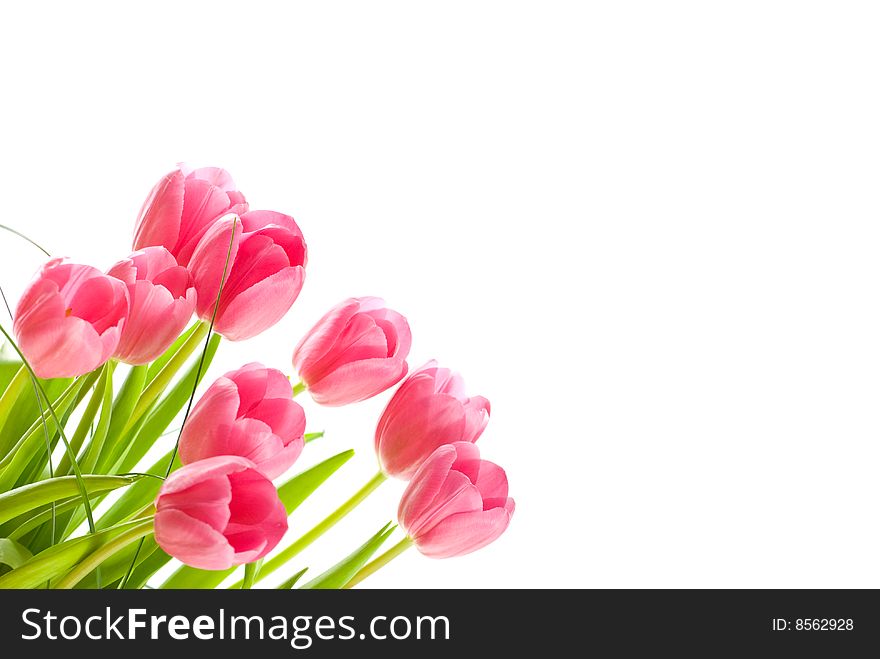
476, 412
189, 475
206, 431
415, 423
155, 320
425, 486
192, 542
492, 484
284, 416
465, 532
278, 385
207, 501
216, 176
251, 382
260, 306
456, 495
319, 340
209, 260
159, 220
360, 339
357, 381
253, 498
62, 349
203, 204
282, 460
40, 303
248, 545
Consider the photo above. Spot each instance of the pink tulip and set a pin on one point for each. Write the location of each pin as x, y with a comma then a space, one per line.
250, 413
70, 318
216, 513
265, 272
455, 503
161, 302
429, 409
357, 350
182, 206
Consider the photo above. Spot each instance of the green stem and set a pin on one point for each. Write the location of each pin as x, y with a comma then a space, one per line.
82, 570
379, 562
251, 571
320, 529
164, 377
7, 401
298, 388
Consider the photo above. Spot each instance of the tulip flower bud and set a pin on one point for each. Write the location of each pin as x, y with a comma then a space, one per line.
428, 410
216, 513
70, 319
251, 413
264, 273
357, 350
182, 206
456, 503
161, 302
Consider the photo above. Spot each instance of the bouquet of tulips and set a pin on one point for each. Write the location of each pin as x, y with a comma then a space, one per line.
101, 367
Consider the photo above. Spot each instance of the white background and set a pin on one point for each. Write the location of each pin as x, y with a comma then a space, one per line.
647, 232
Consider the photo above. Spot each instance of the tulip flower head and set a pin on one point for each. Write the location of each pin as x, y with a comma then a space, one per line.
357, 350
70, 319
456, 503
182, 206
250, 413
428, 410
216, 513
161, 302
265, 271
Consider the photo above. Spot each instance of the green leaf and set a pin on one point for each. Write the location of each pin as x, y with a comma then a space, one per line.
164, 377
96, 444
82, 428
9, 364
25, 498
312, 436
12, 553
292, 494
12, 390
138, 495
114, 569
165, 357
125, 402
154, 559
22, 430
60, 558
290, 583
167, 409
20, 526
341, 573
299, 488
104, 553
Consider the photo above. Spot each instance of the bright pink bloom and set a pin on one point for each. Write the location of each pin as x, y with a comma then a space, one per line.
264, 276
251, 413
161, 302
69, 320
429, 409
216, 513
455, 503
182, 206
357, 350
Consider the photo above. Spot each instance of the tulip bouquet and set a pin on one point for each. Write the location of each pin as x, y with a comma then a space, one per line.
101, 369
